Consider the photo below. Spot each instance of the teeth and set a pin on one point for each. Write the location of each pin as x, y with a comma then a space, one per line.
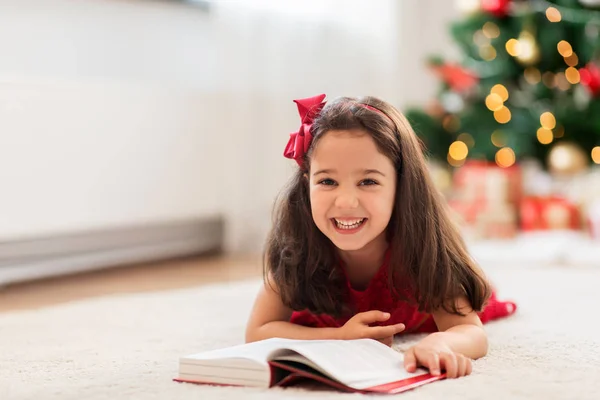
349, 224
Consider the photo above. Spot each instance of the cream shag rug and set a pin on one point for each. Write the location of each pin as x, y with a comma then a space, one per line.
127, 347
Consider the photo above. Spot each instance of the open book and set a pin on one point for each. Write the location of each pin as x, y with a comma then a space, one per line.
361, 365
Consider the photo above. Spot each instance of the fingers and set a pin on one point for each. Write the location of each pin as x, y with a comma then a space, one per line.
450, 364
433, 363
461, 365
378, 332
464, 365
456, 365
384, 331
370, 317
398, 328
410, 360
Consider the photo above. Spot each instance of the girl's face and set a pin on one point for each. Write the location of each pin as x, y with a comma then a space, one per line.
352, 189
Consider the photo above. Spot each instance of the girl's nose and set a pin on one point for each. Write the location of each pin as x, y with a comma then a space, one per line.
346, 199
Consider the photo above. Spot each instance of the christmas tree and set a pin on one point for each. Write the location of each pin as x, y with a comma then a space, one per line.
528, 83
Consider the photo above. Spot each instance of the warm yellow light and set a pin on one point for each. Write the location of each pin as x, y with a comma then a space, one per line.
505, 157
513, 47
553, 14
458, 150
491, 30
564, 48
502, 115
498, 139
572, 75
467, 139
453, 162
596, 154
572, 60
559, 131
451, 123
562, 82
547, 120
549, 79
532, 75
488, 53
544, 136
529, 52
494, 102
501, 91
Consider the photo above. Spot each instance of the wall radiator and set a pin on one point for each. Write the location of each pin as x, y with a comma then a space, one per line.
23, 260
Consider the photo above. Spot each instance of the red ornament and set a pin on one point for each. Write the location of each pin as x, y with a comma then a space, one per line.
590, 78
499, 8
458, 78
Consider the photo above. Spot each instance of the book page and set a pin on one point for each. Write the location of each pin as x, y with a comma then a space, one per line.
255, 351
360, 363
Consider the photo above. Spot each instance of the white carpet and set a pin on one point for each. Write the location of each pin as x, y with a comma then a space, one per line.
127, 347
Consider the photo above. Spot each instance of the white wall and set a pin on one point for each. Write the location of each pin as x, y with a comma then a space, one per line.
123, 112
104, 116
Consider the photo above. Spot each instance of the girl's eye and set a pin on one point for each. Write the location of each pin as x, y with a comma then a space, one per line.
368, 182
327, 182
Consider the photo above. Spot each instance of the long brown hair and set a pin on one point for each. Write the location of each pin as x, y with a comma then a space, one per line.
427, 254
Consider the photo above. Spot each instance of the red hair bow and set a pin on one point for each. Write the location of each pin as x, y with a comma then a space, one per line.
300, 141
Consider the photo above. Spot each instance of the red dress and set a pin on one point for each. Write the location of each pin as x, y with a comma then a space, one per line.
377, 296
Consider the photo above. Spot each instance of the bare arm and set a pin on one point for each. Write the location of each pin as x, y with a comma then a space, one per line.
463, 334
269, 318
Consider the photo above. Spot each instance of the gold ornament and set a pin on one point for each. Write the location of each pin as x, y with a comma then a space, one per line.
528, 49
567, 158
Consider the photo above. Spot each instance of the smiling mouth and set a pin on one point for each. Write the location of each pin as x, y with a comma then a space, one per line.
348, 224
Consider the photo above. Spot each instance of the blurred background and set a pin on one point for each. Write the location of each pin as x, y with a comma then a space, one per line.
142, 130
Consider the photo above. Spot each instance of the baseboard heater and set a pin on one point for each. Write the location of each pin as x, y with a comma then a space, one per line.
24, 260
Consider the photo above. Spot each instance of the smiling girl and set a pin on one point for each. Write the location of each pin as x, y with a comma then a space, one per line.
362, 245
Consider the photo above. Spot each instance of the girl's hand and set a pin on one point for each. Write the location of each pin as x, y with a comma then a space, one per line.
358, 327
433, 353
